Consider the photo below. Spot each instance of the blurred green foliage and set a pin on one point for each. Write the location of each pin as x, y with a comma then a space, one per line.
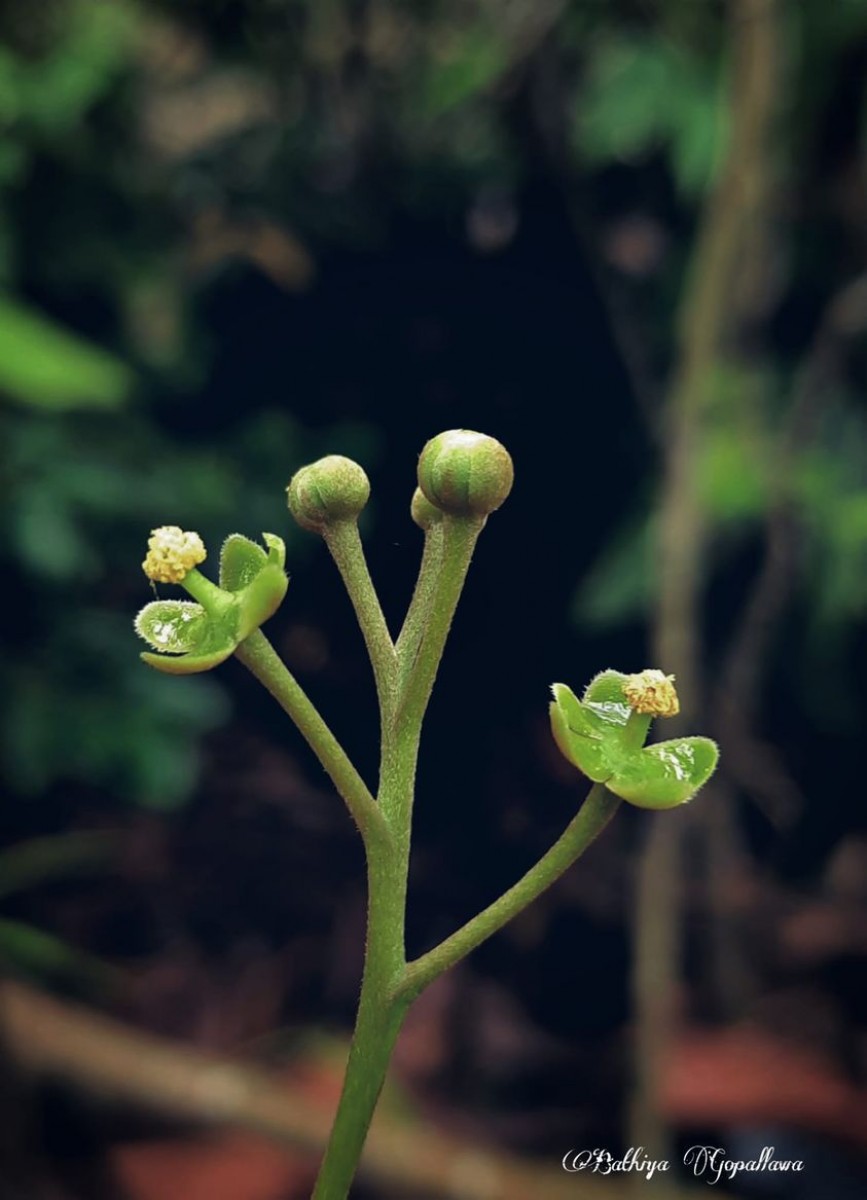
145, 148
62, 856
43, 365
88, 465
647, 94
85, 490
47, 96
740, 475
44, 957
32, 951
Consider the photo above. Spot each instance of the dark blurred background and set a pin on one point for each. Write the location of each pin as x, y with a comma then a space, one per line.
628, 239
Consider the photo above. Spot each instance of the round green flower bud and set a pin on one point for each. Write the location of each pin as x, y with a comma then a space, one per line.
333, 488
423, 512
465, 473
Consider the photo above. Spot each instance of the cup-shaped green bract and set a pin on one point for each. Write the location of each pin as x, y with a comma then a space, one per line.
331, 489
188, 639
603, 736
465, 474
257, 578
666, 774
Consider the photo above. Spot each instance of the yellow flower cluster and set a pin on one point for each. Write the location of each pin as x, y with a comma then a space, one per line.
172, 553
652, 693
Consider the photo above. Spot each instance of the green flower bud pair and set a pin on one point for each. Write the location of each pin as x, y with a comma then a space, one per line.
460, 473
464, 474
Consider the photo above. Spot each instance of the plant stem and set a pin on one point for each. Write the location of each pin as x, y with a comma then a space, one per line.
382, 1004
458, 542
260, 658
404, 684
344, 543
594, 814
213, 599
376, 1032
380, 1016
442, 584
384, 1000
421, 605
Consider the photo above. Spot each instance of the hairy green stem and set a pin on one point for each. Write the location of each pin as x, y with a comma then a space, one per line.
380, 1016
375, 1035
344, 543
214, 600
435, 614
421, 605
459, 540
384, 1000
405, 676
382, 1006
592, 817
259, 657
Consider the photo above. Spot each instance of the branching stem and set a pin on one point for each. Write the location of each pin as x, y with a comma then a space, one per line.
260, 658
405, 676
593, 816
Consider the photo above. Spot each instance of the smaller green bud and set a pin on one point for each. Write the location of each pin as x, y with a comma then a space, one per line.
332, 489
423, 512
465, 473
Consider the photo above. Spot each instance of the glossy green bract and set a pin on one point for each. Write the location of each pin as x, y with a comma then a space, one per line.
188, 638
604, 738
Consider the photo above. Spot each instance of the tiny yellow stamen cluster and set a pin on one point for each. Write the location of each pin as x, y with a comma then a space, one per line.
172, 553
652, 693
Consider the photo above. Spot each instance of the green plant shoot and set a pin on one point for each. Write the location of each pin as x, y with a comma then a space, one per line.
463, 477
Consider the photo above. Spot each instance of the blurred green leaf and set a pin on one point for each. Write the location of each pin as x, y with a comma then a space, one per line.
53, 90
832, 495
95, 715
167, 771
733, 475
623, 109
40, 860
468, 63
643, 94
46, 957
46, 366
696, 136
47, 536
621, 583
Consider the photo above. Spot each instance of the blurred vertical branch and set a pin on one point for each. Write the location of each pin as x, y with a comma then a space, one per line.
750, 762
727, 230
734, 702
